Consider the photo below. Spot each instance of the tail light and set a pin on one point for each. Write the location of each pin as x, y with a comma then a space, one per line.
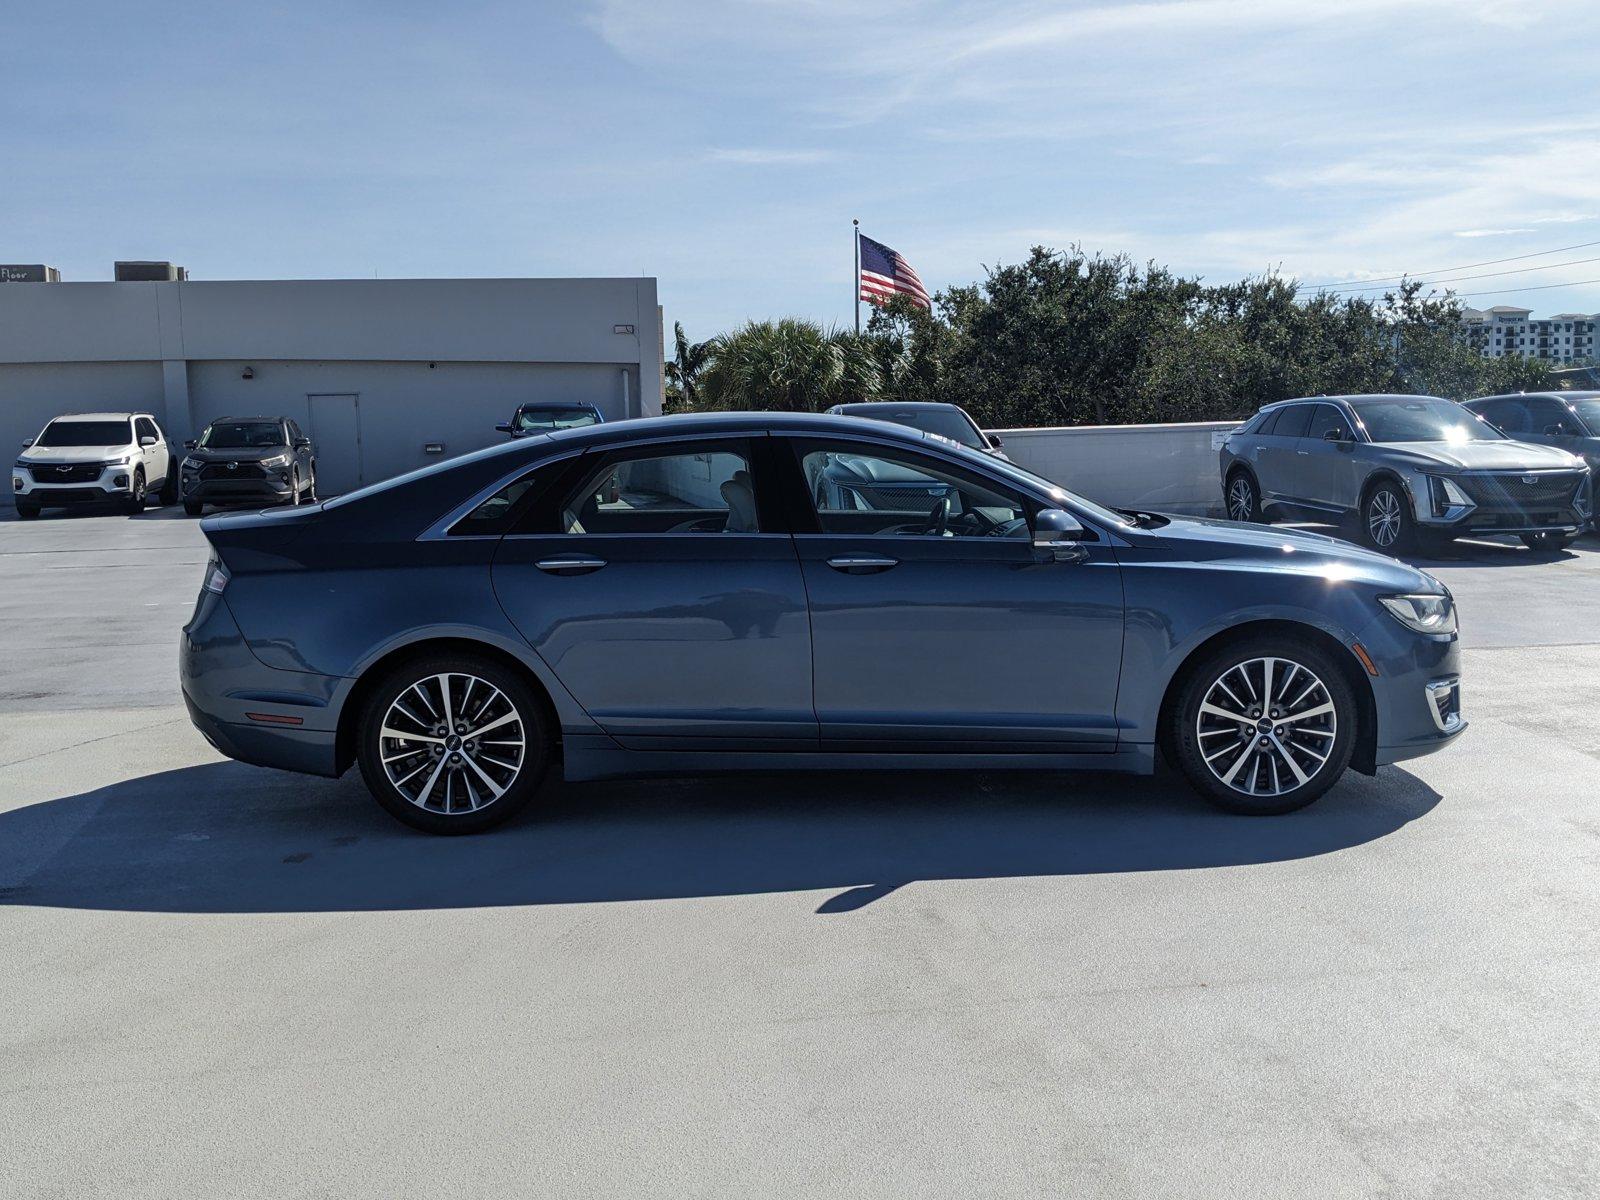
216, 577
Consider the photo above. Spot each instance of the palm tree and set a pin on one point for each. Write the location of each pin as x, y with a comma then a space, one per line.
788, 366
689, 359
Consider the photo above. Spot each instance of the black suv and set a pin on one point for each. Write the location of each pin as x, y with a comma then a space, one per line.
249, 461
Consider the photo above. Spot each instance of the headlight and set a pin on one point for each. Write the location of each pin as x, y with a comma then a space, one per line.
116, 462
1425, 614
277, 460
1445, 495
21, 462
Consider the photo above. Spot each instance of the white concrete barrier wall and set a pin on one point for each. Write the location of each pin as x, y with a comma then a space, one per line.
1162, 468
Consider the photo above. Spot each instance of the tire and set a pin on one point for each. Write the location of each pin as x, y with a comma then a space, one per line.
426, 789
28, 512
137, 498
1244, 776
169, 485
1242, 498
1549, 542
194, 507
294, 489
1387, 525
311, 486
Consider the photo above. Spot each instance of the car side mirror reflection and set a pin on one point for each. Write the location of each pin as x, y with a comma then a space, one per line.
302, 443
189, 445
995, 441
1555, 430
1058, 533
26, 442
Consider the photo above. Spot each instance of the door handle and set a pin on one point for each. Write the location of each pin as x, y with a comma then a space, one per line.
862, 562
1302, 452
577, 564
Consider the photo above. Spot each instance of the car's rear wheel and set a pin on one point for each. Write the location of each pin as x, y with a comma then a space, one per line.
1244, 502
1386, 521
453, 743
1264, 726
1548, 541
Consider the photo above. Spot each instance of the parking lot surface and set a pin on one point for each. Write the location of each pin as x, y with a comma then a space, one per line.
219, 980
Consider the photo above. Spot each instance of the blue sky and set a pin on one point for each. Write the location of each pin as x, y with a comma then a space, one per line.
723, 147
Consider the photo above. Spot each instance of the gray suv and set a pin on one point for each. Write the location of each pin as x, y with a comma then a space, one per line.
1415, 471
1568, 420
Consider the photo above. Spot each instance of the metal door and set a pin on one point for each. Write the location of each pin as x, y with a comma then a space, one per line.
336, 437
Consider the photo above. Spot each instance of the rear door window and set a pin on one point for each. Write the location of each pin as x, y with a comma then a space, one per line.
704, 489
1295, 421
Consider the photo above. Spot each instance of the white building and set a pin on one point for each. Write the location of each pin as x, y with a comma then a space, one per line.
1505, 330
386, 375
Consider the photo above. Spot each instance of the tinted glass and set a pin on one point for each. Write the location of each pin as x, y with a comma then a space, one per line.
145, 427
1589, 411
1511, 416
543, 420
1269, 422
241, 435
494, 515
86, 433
870, 491
707, 492
944, 422
1295, 421
1421, 419
1328, 417
1544, 412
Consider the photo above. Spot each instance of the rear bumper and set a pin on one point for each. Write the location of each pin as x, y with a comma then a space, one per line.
250, 711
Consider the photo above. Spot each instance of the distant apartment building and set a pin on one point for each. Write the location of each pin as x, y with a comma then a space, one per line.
1506, 330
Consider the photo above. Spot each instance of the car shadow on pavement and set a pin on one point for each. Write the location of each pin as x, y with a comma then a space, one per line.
225, 838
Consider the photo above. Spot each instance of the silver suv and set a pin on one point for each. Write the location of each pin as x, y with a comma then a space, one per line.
1416, 471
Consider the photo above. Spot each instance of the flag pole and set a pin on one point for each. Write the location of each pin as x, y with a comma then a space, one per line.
855, 240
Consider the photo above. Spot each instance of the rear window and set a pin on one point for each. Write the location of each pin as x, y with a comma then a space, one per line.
1295, 421
86, 433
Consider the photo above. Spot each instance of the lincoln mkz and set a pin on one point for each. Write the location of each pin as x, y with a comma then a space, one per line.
721, 592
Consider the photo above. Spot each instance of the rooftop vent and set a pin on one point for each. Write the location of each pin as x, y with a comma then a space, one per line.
148, 272
28, 273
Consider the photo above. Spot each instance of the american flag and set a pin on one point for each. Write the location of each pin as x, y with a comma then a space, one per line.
884, 274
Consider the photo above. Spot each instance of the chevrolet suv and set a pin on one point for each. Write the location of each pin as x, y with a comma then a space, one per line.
94, 458
1415, 472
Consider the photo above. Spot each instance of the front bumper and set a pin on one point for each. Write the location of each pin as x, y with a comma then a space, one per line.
108, 485
237, 491
1417, 691
1504, 502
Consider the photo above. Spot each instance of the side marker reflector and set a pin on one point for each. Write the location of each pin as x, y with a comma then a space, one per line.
275, 719
1366, 659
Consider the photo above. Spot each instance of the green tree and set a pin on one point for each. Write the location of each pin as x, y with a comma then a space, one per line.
689, 359
788, 366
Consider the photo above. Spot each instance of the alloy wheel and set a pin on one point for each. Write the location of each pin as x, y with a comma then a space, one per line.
1266, 726
1241, 499
1384, 518
452, 743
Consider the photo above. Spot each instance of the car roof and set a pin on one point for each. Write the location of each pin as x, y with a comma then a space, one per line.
558, 404
98, 416
896, 405
710, 424
219, 420
1554, 395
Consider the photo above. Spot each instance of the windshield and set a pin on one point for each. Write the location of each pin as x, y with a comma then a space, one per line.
1055, 491
543, 420
943, 422
86, 433
241, 435
1421, 419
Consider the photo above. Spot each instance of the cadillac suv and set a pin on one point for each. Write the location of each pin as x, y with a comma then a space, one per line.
669, 595
1414, 471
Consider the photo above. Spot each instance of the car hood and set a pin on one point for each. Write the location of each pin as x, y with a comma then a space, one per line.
1290, 550
74, 454
242, 454
1482, 456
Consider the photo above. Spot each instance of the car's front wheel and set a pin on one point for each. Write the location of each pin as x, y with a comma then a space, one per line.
1386, 521
27, 511
136, 495
1264, 726
453, 743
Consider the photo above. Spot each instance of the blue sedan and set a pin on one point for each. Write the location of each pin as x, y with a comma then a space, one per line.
693, 593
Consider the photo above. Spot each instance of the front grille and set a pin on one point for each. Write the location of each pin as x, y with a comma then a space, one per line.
66, 473
245, 470
1513, 489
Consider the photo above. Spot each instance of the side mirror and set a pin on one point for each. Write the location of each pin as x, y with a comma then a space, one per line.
1333, 435
147, 440
994, 441
1556, 430
503, 427
302, 443
189, 445
1058, 533
26, 442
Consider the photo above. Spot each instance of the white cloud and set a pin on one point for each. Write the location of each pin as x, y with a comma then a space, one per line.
1483, 233
764, 157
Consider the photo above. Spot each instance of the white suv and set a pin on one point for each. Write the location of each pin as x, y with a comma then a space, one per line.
94, 458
